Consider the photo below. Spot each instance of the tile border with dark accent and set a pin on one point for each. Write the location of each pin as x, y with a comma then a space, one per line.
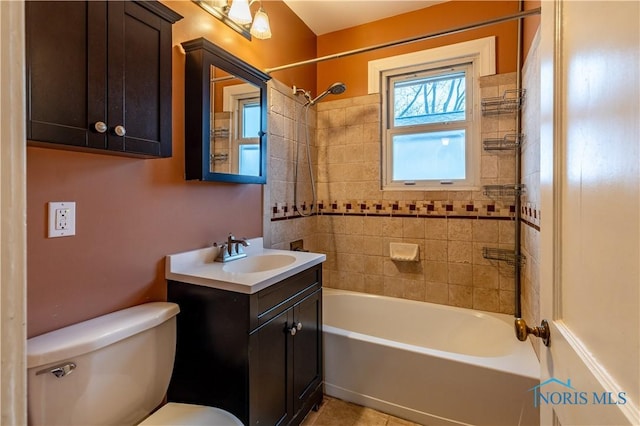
484, 209
530, 215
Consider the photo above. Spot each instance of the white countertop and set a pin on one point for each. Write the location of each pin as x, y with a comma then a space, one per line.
198, 267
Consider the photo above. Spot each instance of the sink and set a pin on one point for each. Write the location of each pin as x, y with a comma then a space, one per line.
259, 263
261, 268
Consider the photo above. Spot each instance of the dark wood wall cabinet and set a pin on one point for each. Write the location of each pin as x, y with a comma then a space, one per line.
258, 355
99, 76
209, 72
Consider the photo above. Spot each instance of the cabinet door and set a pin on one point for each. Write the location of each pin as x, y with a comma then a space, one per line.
307, 348
66, 71
270, 373
99, 62
139, 84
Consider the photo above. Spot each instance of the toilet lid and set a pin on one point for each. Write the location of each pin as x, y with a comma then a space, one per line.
174, 414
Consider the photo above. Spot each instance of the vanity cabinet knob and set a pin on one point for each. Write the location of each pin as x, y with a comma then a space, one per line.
295, 328
100, 127
119, 131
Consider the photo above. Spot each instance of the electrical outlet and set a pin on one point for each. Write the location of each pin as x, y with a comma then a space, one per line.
62, 219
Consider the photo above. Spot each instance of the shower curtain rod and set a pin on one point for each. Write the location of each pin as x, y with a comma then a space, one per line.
435, 34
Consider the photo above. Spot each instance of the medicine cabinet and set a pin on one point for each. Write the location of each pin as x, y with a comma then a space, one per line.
225, 116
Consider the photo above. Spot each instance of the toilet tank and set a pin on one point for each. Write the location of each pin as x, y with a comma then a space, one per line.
110, 370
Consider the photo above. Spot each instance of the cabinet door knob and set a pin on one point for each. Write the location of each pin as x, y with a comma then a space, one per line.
295, 328
100, 127
119, 130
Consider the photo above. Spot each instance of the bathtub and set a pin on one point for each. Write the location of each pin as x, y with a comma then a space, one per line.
428, 363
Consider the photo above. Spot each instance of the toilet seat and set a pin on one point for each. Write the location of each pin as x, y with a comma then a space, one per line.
178, 414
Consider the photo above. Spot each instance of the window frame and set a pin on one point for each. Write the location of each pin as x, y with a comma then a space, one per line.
241, 103
481, 54
390, 129
470, 125
240, 141
234, 99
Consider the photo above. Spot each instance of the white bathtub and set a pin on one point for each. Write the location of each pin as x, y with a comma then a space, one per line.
429, 363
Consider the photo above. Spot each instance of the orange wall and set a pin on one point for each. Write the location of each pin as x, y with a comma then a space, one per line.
133, 212
352, 70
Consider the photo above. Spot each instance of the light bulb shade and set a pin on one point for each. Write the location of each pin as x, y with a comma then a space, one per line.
240, 12
260, 28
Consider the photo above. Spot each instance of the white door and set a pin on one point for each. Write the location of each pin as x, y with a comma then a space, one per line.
590, 202
13, 216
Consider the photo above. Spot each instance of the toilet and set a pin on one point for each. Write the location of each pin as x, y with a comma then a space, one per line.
111, 370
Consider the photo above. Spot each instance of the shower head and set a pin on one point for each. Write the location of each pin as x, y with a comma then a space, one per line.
334, 89
337, 88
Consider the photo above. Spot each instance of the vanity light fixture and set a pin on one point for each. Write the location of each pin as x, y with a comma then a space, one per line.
237, 15
240, 12
261, 28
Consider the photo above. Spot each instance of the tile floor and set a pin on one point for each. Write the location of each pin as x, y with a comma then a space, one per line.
335, 412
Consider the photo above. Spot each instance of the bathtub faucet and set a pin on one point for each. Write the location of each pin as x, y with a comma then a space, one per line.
231, 249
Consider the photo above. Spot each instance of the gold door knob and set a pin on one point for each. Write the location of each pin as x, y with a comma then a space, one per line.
542, 331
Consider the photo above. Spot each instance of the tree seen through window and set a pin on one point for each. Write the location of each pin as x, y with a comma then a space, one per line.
430, 100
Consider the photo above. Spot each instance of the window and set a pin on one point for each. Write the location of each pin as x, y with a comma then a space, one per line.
429, 127
249, 117
248, 141
430, 110
243, 102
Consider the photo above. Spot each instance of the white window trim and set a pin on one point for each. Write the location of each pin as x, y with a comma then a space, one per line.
231, 93
231, 96
481, 53
468, 124
239, 120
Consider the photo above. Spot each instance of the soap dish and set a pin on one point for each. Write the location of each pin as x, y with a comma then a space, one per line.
404, 252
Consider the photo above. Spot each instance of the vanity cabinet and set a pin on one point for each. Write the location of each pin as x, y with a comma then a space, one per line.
258, 355
99, 76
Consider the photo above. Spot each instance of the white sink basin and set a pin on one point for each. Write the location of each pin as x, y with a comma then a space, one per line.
260, 263
261, 268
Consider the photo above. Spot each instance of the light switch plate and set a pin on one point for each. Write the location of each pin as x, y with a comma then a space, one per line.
62, 219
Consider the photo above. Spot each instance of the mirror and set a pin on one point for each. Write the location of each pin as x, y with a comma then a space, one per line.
235, 124
225, 116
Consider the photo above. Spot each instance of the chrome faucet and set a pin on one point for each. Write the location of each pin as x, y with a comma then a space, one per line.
231, 249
